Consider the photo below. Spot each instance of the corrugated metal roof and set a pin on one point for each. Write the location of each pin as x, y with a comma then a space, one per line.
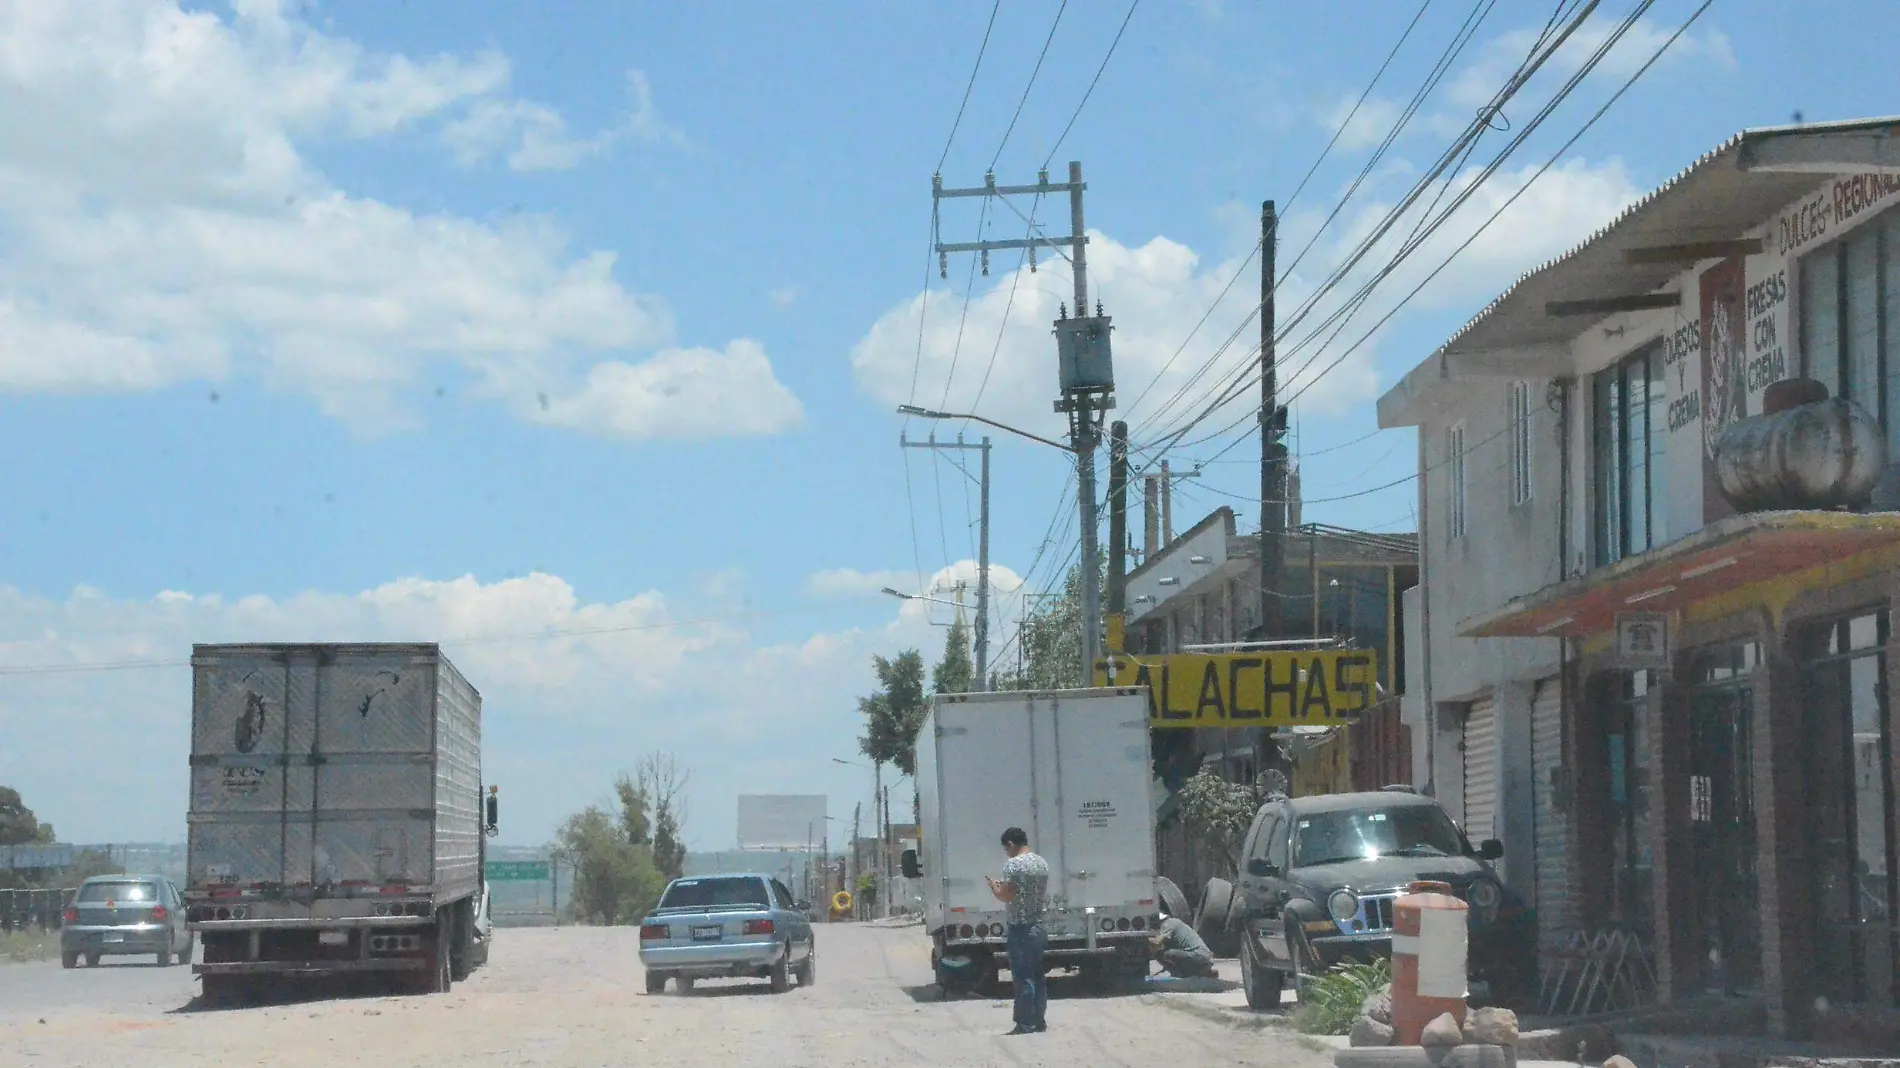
1710, 200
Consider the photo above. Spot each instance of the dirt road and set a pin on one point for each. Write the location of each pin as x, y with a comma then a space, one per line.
575, 997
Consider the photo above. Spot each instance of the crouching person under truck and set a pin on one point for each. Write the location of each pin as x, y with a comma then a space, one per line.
1181, 951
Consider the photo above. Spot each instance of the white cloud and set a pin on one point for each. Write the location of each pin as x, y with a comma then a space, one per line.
159, 223
1478, 84
561, 714
1159, 291
536, 137
1360, 124
850, 582
784, 296
679, 393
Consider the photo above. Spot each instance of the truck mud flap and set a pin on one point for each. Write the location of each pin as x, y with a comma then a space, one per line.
298, 967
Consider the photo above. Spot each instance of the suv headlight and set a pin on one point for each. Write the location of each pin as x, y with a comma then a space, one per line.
1343, 905
1485, 897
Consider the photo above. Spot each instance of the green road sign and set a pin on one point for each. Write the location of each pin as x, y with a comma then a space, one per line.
523, 871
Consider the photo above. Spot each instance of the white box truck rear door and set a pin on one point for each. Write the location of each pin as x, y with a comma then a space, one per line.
984, 773
1103, 830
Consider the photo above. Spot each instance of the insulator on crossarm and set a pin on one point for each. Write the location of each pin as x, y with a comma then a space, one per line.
943, 265
986, 263
1032, 259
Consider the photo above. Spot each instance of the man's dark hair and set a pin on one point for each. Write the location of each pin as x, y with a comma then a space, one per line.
1016, 836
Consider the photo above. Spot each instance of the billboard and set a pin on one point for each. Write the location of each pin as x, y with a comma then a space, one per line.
1281, 689
781, 821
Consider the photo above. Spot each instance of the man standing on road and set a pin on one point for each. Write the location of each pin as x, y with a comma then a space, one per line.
1024, 892
1181, 951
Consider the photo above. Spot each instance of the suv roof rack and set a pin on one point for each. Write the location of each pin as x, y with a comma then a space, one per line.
1399, 788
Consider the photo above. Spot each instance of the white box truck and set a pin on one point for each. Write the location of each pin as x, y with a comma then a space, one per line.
337, 819
1070, 767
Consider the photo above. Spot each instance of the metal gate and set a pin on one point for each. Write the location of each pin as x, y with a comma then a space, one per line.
1556, 914
1481, 770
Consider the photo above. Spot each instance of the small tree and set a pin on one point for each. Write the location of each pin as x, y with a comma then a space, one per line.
956, 672
18, 825
663, 785
894, 715
1218, 813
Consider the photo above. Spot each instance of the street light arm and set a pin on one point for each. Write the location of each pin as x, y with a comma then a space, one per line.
926, 413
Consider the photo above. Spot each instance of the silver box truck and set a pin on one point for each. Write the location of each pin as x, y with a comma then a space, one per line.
337, 819
1070, 767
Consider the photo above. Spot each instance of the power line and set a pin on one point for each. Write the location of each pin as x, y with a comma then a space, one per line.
1032, 84
1495, 215
1540, 53
1090, 91
968, 86
1428, 225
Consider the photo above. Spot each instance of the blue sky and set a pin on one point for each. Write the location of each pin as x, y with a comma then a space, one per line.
483, 320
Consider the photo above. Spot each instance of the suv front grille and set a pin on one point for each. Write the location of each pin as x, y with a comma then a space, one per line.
1378, 912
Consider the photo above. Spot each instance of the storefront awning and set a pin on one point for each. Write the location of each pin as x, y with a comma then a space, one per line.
1719, 558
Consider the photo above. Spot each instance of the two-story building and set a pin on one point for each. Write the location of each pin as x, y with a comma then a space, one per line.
1653, 632
1200, 592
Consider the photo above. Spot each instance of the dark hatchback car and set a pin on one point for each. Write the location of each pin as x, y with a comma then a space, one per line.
125, 915
1320, 874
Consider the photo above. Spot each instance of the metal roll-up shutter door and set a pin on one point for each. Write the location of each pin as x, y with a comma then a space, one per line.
1556, 914
1481, 770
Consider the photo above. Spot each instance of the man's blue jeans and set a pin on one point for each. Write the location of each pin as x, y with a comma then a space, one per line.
1025, 943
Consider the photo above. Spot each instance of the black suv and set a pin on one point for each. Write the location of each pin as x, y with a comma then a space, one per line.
1319, 876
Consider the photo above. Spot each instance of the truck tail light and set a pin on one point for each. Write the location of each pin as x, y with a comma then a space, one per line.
1141, 923
759, 927
160, 914
964, 931
1121, 924
654, 932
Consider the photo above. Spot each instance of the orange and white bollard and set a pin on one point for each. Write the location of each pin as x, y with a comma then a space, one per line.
1430, 941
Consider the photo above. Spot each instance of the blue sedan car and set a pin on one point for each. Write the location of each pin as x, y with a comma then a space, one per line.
728, 926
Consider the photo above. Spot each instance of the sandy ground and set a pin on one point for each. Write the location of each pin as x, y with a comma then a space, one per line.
576, 997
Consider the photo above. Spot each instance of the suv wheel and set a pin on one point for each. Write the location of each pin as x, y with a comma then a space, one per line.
1263, 984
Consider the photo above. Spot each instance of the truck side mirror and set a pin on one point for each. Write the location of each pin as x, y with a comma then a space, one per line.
1490, 849
1261, 868
912, 868
493, 814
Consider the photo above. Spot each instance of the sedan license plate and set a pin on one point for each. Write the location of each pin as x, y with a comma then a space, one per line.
708, 934
333, 938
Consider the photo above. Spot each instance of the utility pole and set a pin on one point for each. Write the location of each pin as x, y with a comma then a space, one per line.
1167, 505
853, 869
1117, 536
1150, 516
982, 635
1085, 365
1273, 496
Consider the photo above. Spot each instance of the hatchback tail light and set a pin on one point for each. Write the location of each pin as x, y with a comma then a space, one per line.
160, 914
654, 932
757, 927
70, 916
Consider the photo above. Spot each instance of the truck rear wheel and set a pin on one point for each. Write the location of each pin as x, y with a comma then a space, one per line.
462, 955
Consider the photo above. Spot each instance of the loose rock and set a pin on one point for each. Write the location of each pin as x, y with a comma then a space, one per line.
1378, 1006
1491, 1026
1367, 1031
1474, 1055
1619, 1061
1442, 1035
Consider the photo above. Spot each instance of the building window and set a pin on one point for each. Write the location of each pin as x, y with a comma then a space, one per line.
1455, 461
1850, 319
1628, 429
1520, 442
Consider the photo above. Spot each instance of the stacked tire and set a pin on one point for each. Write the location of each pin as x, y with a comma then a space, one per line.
1218, 919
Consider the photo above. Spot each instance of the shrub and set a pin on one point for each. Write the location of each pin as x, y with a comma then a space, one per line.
1330, 1003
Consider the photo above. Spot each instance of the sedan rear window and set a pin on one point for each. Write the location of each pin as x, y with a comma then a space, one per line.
715, 893
133, 892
